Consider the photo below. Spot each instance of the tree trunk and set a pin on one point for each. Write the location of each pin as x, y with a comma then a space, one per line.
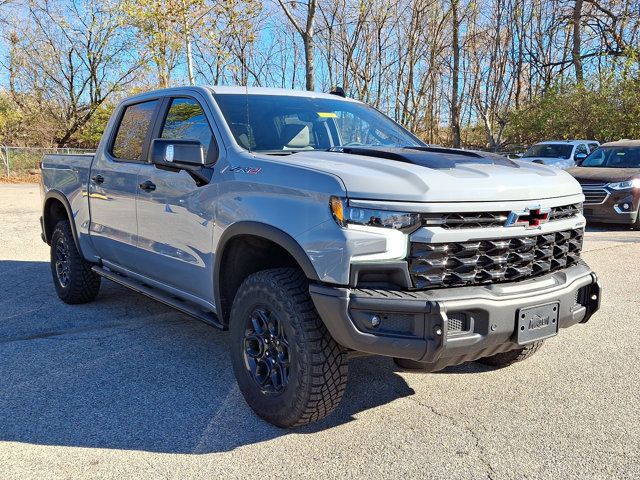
455, 105
308, 58
575, 51
187, 40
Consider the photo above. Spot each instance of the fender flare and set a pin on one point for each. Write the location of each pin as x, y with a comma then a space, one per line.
58, 195
268, 232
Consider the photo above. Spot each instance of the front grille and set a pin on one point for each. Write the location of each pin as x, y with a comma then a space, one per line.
567, 211
594, 196
490, 261
465, 220
490, 219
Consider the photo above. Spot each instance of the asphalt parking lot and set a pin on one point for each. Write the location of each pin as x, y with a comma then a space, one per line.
127, 388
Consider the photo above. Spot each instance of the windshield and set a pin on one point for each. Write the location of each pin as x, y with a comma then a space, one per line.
550, 150
279, 123
614, 157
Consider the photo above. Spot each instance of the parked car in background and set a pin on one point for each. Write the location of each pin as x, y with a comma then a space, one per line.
610, 180
559, 153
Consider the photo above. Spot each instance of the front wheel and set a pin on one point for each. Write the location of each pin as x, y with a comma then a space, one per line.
505, 359
288, 367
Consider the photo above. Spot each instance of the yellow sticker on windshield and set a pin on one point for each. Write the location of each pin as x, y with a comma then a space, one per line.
327, 115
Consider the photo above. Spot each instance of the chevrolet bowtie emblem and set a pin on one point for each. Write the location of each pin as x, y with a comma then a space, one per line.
529, 218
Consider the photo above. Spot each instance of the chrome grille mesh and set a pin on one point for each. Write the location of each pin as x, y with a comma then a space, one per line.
490, 261
567, 211
490, 219
594, 196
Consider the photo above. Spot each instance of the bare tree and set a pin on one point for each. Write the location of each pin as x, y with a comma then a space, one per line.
577, 38
307, 33
455, 73
74, 57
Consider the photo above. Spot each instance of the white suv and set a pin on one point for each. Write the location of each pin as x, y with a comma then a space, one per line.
560, 153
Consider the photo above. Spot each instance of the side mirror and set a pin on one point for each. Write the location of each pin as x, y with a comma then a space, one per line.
579, 158
178, 155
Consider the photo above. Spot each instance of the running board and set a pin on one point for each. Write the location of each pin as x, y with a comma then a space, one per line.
209, 318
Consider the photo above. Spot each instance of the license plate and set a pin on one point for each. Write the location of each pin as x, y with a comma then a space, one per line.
537, 323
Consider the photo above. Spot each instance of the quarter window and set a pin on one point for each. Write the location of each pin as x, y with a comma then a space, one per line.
132, 131
186, 121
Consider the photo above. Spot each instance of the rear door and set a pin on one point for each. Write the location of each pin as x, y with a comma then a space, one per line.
113, 184
175, 217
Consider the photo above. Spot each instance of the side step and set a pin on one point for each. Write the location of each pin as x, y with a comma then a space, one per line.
209, 318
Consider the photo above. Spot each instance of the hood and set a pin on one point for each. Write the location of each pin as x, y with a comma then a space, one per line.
427, 174
545, 159
587, 175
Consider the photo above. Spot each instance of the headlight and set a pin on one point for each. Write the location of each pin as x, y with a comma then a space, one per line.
344, 215
626, 185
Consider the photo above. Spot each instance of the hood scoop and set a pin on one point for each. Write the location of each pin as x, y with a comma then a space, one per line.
430, 157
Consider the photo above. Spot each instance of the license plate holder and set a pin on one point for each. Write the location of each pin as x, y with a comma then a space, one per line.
537, 323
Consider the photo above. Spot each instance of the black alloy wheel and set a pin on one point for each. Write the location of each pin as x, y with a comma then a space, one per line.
266, 350
62, 262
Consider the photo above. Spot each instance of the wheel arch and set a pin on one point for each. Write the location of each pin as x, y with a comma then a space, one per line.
271, 247
55, 208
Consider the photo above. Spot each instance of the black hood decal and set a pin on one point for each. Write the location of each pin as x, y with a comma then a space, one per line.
431, 157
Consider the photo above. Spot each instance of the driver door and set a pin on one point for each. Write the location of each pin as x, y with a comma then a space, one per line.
175, 216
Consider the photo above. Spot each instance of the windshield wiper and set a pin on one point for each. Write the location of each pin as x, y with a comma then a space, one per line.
280, 152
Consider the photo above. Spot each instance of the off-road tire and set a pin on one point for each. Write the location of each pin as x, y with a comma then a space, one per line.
82, 284
318, 365
505, 359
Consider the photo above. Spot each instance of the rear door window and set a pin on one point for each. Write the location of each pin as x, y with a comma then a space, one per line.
132, 131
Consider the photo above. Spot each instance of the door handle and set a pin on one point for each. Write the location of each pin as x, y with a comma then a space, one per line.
97, 179
148, 185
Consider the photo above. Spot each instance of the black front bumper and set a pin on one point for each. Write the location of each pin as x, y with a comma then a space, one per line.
451, 326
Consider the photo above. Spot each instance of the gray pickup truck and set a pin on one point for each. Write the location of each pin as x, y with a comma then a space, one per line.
314, 228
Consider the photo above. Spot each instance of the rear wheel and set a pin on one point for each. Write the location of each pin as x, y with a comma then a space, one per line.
289, 369
73, 278
512, 356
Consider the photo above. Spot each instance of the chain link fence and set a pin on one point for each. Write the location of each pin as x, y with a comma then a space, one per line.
25, 161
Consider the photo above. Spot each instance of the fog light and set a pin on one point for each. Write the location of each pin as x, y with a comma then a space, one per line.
375, 321
625, 206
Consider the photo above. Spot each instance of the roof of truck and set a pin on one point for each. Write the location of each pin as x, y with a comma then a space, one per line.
222, 90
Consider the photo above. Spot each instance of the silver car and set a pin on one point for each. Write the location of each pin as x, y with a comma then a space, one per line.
560, 153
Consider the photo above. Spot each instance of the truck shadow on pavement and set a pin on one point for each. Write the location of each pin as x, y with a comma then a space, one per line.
128, 373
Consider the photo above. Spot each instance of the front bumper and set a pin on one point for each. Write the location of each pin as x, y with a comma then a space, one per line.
613, 210
451, 326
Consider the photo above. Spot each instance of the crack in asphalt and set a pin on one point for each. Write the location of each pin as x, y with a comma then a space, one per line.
478, 445
56, 334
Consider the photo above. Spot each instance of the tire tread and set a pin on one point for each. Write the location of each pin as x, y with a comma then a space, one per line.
512, 356
85, 283
321, 390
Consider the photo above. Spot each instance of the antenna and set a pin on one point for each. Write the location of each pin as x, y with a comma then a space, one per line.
246, 94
